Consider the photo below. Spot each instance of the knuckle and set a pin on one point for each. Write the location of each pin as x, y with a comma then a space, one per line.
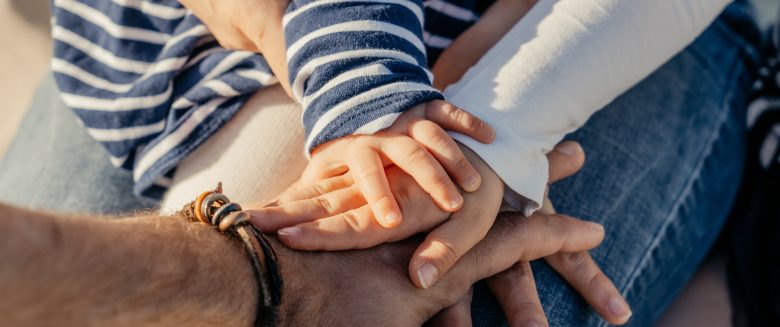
574, 260
324, 204
469, 122
319, 188
418, 155
448, 109
448, 255
462, 165
442, 182
352, 221
598, 281
365, 174
509, 225
437, 136
463, 118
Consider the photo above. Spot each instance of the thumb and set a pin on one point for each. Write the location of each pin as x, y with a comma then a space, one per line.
565, 159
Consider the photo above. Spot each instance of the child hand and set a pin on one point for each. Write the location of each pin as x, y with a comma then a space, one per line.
331, 215
418, 144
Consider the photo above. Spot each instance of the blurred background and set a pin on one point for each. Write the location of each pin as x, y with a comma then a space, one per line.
24, 34
24, 58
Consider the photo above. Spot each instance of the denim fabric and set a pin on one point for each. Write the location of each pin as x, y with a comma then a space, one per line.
663, 166
53, 164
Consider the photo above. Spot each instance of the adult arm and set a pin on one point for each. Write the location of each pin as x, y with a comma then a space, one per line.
157, 270
562, 62
136, 271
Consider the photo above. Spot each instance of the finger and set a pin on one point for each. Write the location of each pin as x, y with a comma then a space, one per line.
354, 229
455, 119
447, 152
459, 314
442, 247
270, 219
514, 239
565, 160
319, 188
515, 290
416, 161
321, 166
586, 277
366, 168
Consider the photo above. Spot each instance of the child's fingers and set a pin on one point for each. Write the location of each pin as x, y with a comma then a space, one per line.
447, 152
415, 160
366, 168
455, 119
565, 160
354, 229
317, 189
321, 166
448, 242
270, 219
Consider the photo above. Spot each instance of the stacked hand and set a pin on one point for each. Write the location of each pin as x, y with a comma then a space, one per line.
511, 242
418, 144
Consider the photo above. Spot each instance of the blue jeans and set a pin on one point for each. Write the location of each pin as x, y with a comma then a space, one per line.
664, 162
53, 164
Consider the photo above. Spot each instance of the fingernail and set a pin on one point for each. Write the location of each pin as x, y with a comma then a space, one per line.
427, 274
618, 307
289, 231
596, 226
569, 148
472, 182
456, 202
392, 218
533, 324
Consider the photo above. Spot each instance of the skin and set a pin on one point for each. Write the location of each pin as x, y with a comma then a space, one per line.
514, 288
249, 25
418, 144
76, 270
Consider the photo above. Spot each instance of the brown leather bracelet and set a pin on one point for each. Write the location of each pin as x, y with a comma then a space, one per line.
215, 209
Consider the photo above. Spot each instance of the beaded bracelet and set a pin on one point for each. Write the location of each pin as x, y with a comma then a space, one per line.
215, 209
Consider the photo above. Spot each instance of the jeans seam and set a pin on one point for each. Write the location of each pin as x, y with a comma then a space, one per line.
686, 190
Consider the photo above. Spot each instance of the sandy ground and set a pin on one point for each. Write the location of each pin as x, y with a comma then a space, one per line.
24, 55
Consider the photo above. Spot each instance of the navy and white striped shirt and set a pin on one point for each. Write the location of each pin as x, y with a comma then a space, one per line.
150, 83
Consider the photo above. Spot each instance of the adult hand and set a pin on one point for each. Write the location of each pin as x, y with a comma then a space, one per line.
370, 287
515, 288
251, 25
332, 215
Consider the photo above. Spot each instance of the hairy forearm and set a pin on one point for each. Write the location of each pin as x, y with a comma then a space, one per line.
145, 270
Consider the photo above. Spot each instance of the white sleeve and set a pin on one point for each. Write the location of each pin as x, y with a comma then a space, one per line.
562, 62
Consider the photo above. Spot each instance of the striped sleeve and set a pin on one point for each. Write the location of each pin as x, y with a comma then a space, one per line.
355, 65
148, 81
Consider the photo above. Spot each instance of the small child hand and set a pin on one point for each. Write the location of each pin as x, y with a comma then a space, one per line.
330, 215
418, 144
